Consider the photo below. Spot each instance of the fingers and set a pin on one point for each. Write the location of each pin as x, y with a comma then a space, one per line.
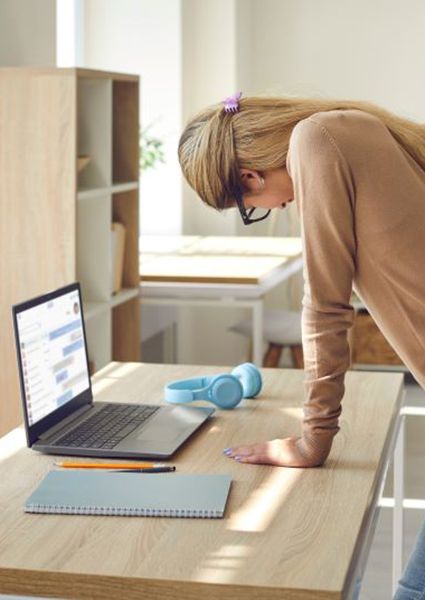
262, 453
242, 450
282, 453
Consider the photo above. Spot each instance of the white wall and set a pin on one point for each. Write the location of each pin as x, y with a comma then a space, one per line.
209, 34
27, 32
218, 58
214, 38
143, 37
353, 49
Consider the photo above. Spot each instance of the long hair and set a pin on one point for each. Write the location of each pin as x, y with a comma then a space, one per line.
215, 145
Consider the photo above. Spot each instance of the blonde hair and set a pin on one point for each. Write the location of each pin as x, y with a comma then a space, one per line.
215, 145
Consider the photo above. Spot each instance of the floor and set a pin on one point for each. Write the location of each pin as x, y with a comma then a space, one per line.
377, 579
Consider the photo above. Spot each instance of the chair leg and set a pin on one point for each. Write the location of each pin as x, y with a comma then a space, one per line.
272, 355
297, 356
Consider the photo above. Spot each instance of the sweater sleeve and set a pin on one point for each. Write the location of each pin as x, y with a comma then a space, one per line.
324, 195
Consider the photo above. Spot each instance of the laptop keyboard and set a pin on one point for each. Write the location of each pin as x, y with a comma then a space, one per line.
107, 427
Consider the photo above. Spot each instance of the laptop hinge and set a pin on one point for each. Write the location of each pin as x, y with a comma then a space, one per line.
67, 423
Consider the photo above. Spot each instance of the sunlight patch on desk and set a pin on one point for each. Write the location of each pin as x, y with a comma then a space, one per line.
100, 386
260, 508
214, 429
12, 442
221, 565
107, 371
297, 413
118, 370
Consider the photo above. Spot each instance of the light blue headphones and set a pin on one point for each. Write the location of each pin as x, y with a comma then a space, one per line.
224, 390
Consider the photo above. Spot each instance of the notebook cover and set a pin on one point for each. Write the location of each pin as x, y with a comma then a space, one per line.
131, 494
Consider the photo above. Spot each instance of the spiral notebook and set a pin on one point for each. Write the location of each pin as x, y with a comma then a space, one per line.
131, 494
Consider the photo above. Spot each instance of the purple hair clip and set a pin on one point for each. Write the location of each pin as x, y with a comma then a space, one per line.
231, 104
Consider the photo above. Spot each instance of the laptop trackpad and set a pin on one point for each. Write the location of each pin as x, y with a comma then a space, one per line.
163, 427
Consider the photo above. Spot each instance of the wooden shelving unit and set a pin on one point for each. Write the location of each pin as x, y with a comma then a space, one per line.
56, 220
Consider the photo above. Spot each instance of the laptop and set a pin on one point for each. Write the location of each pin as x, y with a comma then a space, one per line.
60, 415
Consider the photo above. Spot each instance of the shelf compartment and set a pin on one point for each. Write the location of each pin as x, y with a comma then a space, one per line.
125, 210
126, 331
99, 339
87, 193
94, 248
125, 131
94, 110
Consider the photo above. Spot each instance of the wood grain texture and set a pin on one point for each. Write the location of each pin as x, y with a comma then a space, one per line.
37, 203
287, 533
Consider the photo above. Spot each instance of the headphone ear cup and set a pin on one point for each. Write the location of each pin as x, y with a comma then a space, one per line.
226, 391
250, 377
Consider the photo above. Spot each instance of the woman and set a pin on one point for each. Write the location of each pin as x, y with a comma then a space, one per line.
357, 175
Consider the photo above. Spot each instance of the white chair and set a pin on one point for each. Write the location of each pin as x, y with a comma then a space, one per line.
282, 329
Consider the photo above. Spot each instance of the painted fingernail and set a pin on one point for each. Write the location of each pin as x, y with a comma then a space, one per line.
238, 458
227, 451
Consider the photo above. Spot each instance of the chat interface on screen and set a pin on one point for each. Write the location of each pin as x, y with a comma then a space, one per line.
53, 354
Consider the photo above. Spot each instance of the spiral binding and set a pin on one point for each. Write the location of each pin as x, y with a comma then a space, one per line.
119, 511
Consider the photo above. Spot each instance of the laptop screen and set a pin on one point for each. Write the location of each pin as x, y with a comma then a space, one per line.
53, 358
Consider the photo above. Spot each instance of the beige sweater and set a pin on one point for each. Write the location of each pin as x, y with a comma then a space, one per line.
361, 200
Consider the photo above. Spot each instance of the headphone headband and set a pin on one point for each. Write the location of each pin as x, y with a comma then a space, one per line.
225, 390
187, 390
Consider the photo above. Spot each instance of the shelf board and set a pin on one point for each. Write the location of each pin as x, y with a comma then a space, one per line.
92, 309
124, 295
116, 188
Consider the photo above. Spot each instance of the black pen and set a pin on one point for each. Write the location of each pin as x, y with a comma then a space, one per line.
153, 470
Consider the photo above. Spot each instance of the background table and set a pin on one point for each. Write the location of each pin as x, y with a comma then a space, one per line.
217, 271
287, 533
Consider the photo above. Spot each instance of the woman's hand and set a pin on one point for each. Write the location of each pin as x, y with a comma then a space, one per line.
280, 453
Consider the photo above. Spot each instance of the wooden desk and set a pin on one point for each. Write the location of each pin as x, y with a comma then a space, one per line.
287, 533
217, 271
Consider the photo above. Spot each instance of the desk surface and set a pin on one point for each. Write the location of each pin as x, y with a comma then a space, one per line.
193, 259
292, 533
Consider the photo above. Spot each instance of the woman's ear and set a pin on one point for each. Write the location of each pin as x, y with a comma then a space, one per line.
252, 180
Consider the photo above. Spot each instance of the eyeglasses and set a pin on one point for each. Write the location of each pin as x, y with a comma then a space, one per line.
262, 213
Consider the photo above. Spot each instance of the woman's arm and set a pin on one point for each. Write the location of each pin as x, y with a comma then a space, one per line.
324, 193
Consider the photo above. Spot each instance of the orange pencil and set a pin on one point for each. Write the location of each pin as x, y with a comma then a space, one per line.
89, 465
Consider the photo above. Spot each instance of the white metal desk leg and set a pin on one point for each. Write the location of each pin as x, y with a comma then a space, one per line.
398, 504
257, 341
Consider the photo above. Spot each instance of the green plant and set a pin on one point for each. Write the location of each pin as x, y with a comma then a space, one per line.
151, 150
